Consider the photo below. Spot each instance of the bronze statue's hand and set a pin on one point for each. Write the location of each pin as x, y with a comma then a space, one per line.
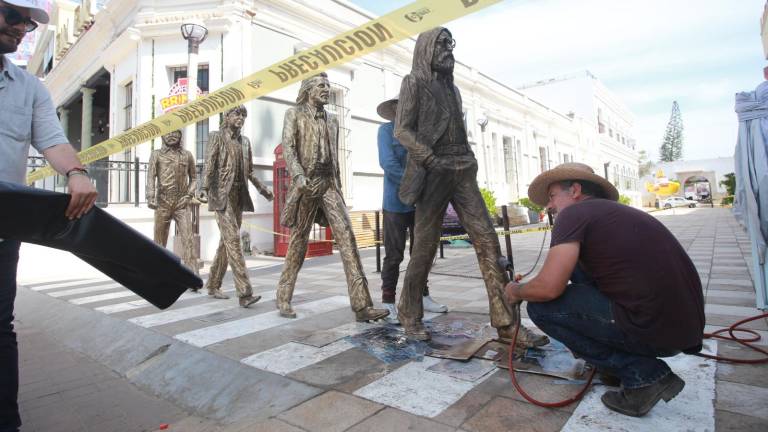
203, 196
152, 204
301, 182
430, 163
266, 193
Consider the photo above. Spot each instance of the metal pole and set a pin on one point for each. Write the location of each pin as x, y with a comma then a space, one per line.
136, 181
378, 243
191, 132
507, 238
442, 253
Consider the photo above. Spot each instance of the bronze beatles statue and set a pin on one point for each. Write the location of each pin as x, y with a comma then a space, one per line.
310, 147
441, 168
228, 168
171, 184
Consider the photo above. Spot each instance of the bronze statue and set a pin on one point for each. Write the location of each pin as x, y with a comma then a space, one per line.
441, 168
228, 168
310, 147
171, 184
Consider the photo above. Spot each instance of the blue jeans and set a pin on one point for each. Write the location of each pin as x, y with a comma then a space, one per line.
582, 319
9, 353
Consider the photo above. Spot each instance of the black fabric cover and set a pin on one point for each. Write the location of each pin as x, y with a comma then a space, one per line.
37, 216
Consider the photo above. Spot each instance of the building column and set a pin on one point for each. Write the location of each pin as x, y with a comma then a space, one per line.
64, 120
87, 119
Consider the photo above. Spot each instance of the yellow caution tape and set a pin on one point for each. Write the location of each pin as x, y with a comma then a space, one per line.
374, 35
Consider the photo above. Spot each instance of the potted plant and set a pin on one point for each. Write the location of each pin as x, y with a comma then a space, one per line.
535, 211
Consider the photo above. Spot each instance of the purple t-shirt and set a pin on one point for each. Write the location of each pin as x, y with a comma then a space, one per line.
641, 267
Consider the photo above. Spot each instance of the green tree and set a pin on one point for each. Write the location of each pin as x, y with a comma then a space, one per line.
644, 165
625, 199
672, 147
490, 203
526, 202
730, 187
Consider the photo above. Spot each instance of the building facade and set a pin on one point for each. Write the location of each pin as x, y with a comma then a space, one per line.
109, 66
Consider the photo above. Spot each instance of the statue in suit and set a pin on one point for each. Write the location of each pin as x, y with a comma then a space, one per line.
171, 184
310, 147
441, 168
228, 168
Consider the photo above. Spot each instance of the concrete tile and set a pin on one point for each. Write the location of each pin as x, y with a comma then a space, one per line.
331, 411
270, 425
503, 414
465, 408
539, 387
755, 375
728, 421
346, 372
393, 420
742, 399
741, 311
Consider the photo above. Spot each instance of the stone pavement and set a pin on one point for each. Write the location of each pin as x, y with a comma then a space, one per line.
96, 357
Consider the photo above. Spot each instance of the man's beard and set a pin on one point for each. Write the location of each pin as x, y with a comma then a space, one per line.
444, 64
5, 47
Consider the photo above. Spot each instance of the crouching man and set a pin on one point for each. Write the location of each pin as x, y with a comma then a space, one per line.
634, 294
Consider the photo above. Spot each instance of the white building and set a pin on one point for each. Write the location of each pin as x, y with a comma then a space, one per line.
108, 68
611, 145
690, 172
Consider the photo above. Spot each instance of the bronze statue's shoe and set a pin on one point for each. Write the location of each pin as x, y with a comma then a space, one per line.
286, 311
525, 337
195, 290
415, 330
217, 294
370, 314
247, 301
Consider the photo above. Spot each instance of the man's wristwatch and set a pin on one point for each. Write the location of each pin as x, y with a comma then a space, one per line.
77, 171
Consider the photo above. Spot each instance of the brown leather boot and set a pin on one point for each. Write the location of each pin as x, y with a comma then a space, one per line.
638, 402
370, 314
525, 337
217, 294
286, 311
247, 301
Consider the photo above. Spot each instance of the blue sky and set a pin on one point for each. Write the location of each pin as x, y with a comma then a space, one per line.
650, 53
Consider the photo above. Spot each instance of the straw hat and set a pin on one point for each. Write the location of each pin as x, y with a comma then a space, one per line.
387, 109
538, 191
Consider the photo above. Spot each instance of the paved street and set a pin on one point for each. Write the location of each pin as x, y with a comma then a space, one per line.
95, 357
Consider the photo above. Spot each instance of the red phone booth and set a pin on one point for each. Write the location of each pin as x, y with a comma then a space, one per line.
281, 181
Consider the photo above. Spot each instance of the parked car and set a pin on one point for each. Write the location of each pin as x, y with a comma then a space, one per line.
676, 201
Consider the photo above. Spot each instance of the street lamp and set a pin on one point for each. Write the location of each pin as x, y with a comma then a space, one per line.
194, 32
483, 122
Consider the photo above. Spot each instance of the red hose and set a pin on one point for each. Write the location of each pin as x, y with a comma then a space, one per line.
743, 341
715, 335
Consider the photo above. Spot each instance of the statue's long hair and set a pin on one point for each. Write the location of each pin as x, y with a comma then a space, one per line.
240, 108
306, 86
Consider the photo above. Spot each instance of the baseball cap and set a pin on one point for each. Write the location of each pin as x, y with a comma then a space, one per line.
36, 12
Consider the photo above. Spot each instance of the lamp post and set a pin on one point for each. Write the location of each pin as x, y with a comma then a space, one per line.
194, 32
483, 122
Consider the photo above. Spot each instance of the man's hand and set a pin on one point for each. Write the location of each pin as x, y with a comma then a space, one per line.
511, 292
83, 196
203, 196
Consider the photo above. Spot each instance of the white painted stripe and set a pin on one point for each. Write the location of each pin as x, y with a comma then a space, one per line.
293, 356
85, 290
691, 410
180, 314
233, 329
419, 391
138, 304
731, 294
67, 284
102, 297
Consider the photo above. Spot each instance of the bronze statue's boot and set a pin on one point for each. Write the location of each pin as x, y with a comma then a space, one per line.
370, 314
415, 330
525, 337
286, 311
637, 402
247, 301
217, 294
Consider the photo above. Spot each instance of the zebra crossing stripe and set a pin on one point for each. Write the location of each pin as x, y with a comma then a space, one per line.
293, 356
67, 284
180, 314
102, 297
234, 329
85, 290
415, 389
